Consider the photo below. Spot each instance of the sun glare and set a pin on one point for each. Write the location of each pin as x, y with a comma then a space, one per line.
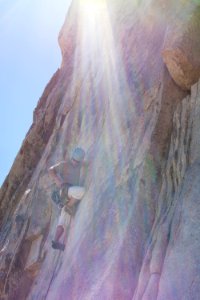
92, 6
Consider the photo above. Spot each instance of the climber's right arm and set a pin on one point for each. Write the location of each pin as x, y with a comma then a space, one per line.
53, 172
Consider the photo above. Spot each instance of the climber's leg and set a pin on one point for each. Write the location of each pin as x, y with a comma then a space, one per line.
75, 194
63, 222
59, 232
55, 243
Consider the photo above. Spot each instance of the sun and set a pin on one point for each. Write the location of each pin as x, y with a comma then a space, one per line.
92, 6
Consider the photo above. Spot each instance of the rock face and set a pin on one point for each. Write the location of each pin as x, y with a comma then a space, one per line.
128, 93
181, 49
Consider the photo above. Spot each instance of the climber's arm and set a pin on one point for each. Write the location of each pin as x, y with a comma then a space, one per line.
54, 172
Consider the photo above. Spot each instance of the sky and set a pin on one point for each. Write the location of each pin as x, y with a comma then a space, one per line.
29, 56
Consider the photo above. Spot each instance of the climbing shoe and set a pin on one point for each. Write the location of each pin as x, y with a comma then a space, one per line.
58, 246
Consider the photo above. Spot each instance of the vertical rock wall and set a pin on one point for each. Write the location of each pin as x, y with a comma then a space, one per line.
138, 123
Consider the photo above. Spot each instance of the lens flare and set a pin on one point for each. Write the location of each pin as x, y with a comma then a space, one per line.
92, 6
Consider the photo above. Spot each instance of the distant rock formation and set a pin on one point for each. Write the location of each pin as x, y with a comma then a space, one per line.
128, 92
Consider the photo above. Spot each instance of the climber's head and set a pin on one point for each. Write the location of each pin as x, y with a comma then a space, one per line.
78, 155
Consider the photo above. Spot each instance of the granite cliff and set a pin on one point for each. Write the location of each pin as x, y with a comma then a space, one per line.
128, 92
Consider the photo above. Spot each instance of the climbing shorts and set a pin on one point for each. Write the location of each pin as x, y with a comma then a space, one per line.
76, 192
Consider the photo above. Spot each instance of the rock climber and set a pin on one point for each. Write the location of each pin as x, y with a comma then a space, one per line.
67, 176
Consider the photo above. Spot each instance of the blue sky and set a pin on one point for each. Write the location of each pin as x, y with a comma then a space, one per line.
29, 55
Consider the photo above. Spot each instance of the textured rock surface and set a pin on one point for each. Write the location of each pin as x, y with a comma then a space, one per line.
181, 50
136, 233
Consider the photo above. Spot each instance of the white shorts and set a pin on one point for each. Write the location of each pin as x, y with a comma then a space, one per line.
76, 192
